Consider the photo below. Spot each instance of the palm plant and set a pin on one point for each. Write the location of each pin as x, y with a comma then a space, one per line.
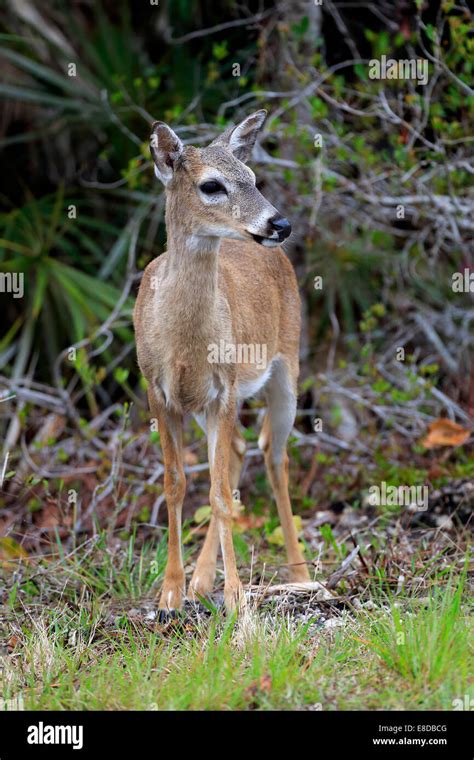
60, 261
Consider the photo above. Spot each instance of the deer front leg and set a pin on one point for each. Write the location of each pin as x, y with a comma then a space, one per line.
220, 429
170, 428
204, 575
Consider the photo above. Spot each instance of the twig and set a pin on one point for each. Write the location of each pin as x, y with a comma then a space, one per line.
335, 577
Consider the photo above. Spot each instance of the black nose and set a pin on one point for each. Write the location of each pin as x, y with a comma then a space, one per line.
282, 226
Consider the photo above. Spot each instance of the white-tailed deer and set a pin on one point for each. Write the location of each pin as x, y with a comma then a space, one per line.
224, 283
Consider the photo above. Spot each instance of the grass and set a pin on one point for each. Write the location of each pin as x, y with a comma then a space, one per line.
423, 646
90, 653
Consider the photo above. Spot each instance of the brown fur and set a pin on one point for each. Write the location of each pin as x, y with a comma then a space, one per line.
254, 300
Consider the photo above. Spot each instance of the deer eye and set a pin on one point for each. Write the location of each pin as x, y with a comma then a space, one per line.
212, 187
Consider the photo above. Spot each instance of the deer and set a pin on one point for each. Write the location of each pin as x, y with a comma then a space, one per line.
224, 280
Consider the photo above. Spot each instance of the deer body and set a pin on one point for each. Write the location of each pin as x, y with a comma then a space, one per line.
215, 302
217, 288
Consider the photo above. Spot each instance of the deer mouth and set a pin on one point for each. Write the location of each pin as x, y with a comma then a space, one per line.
266, 241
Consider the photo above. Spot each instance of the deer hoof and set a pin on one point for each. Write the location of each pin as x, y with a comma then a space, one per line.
234, 598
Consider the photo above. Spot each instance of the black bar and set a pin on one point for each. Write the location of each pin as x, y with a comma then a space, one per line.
125, 734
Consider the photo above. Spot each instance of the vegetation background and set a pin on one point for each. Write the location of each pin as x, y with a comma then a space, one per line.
376, 178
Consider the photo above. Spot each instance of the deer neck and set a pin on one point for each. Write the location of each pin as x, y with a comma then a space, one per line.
192, 277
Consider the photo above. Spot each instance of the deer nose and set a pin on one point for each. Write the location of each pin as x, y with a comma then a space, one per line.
281, 225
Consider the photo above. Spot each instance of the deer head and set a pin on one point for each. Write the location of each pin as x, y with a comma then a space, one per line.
210, 192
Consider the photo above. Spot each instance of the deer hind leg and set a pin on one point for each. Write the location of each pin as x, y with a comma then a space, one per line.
275, 431
204, 575
170, 428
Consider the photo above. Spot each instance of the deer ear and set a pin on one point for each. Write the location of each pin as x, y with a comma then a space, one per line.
241, 139
166, 148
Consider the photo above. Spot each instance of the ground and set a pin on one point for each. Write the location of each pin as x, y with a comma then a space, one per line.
388, 628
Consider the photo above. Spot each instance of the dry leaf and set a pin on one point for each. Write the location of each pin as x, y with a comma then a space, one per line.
443, 432
11, 643
261, 686
265, 683
248, 522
